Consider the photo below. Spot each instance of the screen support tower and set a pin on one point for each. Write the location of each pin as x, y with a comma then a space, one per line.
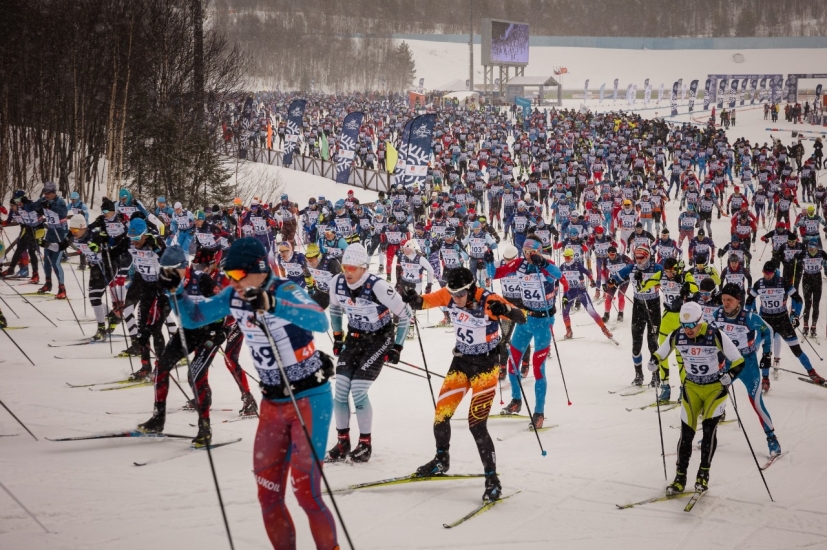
490, 85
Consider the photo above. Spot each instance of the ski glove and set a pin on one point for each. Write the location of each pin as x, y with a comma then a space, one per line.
428, 288
498, 308
393, 354
638, 275
489, 257
169, 278
766, 361
725, 379
259, 299
795, 320
539, 261
338, 343
653, 365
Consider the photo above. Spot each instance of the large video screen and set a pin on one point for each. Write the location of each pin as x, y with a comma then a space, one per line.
509, 43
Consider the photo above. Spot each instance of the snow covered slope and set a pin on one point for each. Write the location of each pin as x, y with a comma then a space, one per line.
91, 496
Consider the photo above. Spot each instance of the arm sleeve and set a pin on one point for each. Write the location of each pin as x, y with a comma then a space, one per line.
440, 298
428, 268
393, 301
665, 348
731, 353
209, 310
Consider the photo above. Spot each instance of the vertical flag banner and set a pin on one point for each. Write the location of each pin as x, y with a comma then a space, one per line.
418, 153
762, 89
392, 157
647, 93
525, 105
269, 134
614, 93
324, 146
399, 173
634, 93
721, 92
246, 121
660, 93
706, 94
792, 89
629, 94
753, 84
675, 99
693, 92
733, 90
421, 85
775, 87
682, 89
347, 145
295, 114
602, 89
744, 82
585, 90
818, 93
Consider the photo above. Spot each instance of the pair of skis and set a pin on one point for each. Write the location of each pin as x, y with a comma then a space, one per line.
140, 434
694, 497
413, 478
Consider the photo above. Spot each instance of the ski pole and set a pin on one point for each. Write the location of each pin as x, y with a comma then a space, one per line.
660, 429
14, 498
28, 302
419, 368
820, 358
17, 345
560, 363
18, 421
424, 361
531, 416
763, 250
761, 472
197, 402
8, 306
263, 325
69, 302
791, 371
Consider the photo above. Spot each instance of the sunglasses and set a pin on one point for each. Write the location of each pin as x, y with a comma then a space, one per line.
236, 274
352, 268
137, 237
690, 325
460, 292
282, 250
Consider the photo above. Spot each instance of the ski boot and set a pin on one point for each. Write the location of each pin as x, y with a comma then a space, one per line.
816, 379
606, 317
23, 272
806, 331
100, 335
3, 322
569, 334
493, 487
772, 443
514, 407
665, 392
112, 322
765, 384
248, 405
35, 279
524, 370
204, 436
678, 485
61, 293
134, 349
438, 466
388, 277
189, 405
141, 374
538, 419
596, 294
45, 288
5, 273
363, 450
638, 381
619, 316
381, 269
606, 332
445, 322
155, 424
702, 480
339, 451
655, 381
776, 361
813, 332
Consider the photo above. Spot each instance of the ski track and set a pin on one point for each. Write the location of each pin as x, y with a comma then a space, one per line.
90, 494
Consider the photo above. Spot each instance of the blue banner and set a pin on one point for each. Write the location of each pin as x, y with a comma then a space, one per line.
295, 115
721, 92
418, 150
347, 145
244, 128
402, 162
675, 99
733, 90
693, 92
706, 94
525, 105
762, 90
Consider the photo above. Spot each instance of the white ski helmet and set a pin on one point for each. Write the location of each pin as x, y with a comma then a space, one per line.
691, 312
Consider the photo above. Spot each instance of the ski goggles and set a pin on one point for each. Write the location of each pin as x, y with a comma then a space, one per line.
531, 244
690, 325
236, 274
460, 292
137, 237
352, 268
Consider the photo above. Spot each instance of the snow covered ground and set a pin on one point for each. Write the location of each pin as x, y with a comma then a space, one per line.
91, 496
442, 62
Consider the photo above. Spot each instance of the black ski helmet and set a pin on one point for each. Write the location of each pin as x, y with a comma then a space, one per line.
460, 278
